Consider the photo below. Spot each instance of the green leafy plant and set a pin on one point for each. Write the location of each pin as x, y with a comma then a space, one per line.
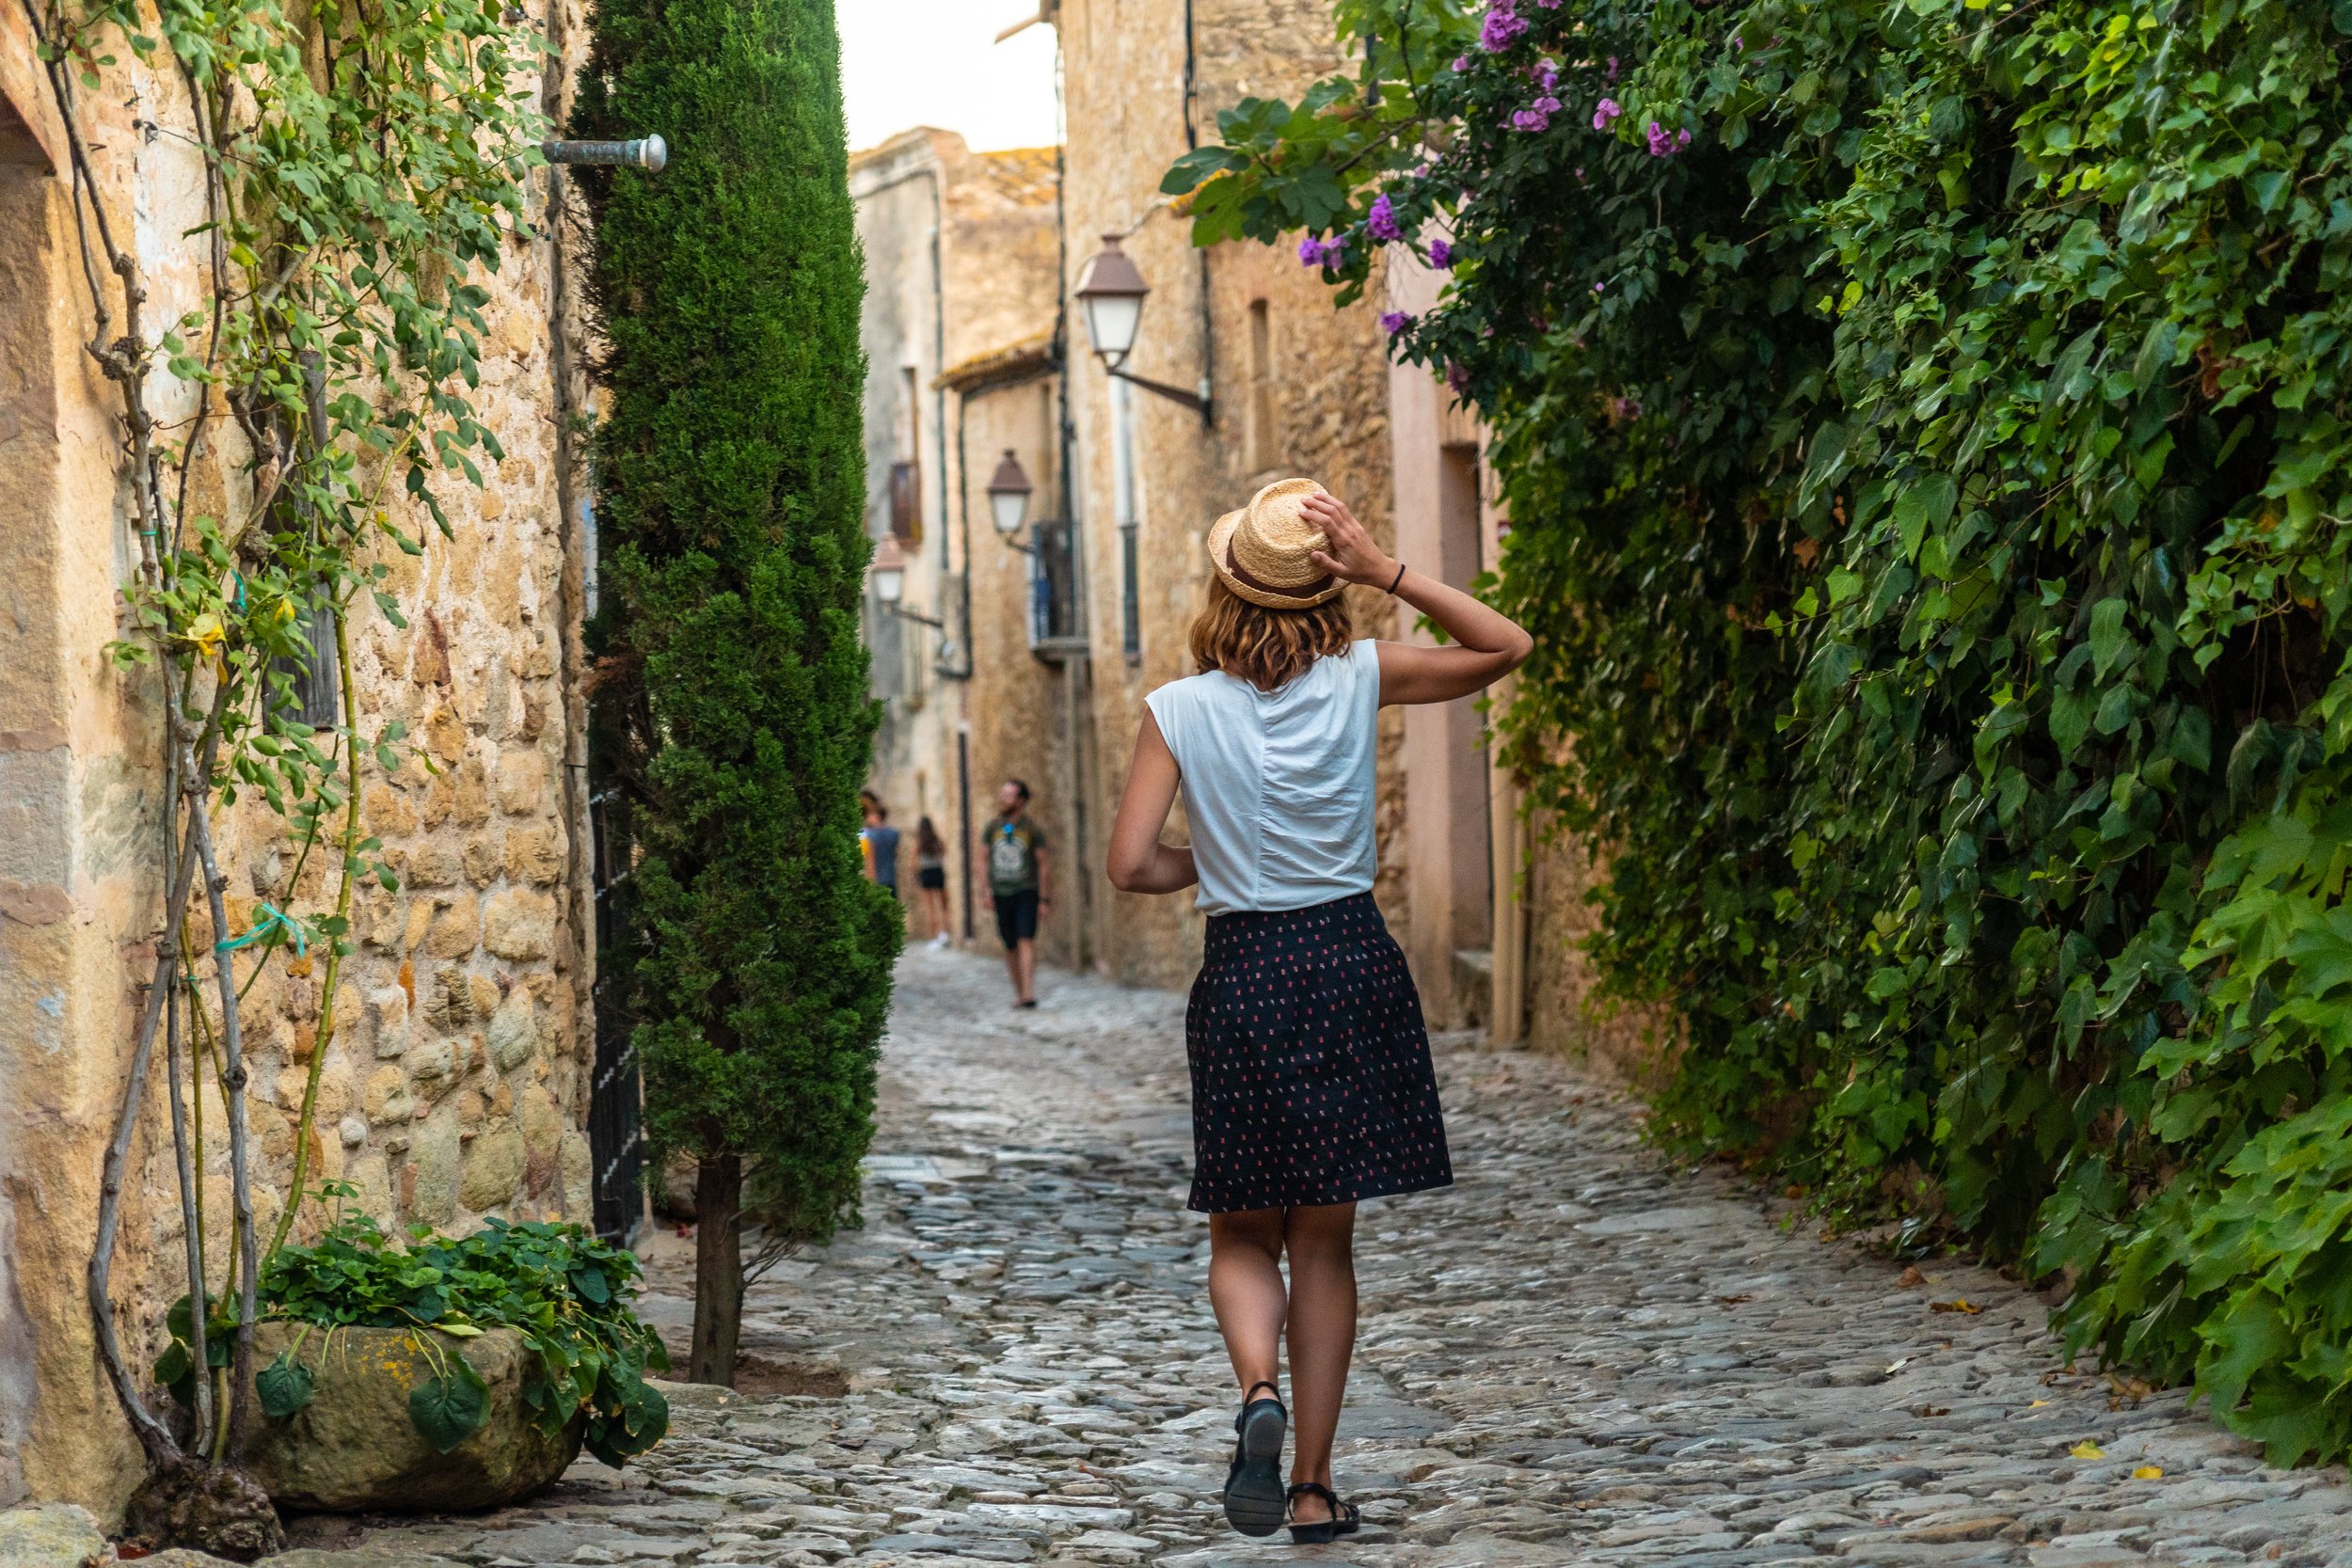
359, 168
1926, 430
733, 719
564, 1290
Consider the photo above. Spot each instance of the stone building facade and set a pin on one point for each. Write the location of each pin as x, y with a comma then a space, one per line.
962, 367
455, 1082
1294, 388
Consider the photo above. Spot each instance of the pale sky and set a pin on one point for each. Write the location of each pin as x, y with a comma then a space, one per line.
933, 62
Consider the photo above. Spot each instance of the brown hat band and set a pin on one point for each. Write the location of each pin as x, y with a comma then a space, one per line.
1248, 579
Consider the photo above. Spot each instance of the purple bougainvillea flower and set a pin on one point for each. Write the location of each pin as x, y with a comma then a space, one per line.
1311, 252
1461, 63
1682, 139
1613, 70
1382, 222
1660, 143
1394, 322
1456, 377
1606, 112
1547, 75
1441, 255
1501, 28
1598, 287
1545, 104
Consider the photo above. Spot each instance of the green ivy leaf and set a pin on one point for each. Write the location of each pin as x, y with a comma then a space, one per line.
285, 1385
449, 1409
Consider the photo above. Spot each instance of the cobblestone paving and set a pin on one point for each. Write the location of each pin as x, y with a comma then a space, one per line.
1577, 1355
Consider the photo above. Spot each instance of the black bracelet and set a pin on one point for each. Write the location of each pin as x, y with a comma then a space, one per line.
1400, 578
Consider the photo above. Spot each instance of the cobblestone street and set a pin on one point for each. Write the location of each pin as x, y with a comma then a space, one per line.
1574, 1355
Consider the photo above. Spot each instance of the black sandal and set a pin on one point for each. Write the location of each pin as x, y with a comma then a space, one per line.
1345, 1518
1255, 1502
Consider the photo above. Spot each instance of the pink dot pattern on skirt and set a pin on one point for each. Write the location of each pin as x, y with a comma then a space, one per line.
1310, 1075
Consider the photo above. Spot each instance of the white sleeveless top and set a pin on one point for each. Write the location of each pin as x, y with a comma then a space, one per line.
1277, 784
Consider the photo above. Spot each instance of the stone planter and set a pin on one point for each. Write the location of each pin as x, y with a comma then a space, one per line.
353, 1447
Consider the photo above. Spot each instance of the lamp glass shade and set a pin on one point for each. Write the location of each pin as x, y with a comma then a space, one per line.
889, 570
1111, 322
1008, 495
1112, 291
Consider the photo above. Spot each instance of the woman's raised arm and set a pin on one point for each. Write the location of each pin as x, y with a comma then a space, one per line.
1487, 644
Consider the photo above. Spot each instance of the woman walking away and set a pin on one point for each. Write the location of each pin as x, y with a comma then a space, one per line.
1312, 1086
930, 881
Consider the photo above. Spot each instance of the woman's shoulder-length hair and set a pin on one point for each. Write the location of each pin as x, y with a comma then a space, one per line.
1266, 647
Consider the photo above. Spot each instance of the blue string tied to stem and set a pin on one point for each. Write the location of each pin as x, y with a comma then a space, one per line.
271, 916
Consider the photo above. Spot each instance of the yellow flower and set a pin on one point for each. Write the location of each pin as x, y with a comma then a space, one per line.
208, 634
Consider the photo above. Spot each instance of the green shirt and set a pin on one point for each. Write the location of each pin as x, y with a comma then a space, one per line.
1012, 849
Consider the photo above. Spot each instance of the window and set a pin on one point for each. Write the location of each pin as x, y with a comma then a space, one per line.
1258, 451
316, 699
906, 501
906, 475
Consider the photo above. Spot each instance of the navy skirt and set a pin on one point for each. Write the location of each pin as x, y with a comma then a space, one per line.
1310, 1075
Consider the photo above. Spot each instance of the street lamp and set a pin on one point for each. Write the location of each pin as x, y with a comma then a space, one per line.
1111, 292
889, 572
1008, 491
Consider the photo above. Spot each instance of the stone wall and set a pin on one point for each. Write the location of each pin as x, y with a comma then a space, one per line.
454, 1084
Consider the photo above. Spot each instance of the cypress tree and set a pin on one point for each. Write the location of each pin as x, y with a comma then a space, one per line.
755, 960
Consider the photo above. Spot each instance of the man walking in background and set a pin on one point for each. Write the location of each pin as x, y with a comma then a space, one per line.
1018, 885
879, 841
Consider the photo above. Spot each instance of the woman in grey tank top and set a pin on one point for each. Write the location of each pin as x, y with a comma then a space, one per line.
1312, 1086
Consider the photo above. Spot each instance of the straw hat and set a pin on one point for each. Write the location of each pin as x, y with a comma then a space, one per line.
1261, 550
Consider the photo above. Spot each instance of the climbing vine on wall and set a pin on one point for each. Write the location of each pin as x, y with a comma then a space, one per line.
359, 163
1925, 430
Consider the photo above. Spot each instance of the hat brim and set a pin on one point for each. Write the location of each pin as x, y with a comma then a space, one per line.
1220, 552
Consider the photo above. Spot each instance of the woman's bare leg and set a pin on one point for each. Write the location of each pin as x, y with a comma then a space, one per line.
1322, 1245
1246, 1291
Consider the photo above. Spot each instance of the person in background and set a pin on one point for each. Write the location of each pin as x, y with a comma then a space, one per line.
881, 842
1018, 885
930, 881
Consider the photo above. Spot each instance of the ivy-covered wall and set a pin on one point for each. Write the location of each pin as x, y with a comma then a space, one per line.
1924, 429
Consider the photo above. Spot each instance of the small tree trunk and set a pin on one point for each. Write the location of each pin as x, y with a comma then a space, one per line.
718, 1268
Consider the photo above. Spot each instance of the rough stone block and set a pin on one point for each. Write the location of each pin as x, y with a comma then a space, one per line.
578, 1167
542, 1121
514, 1032
472, 806
484, 852
534, 855
387, 1101
435, 862
494, 1163
354, 1446
385, 1020
522, 781
51, 1535
449, 1000
387, 813
521, 925
457, 928
433, 1155
434, 1065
